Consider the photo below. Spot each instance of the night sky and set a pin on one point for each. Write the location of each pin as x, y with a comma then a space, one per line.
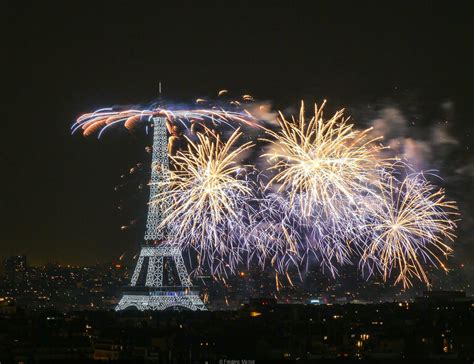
58, 201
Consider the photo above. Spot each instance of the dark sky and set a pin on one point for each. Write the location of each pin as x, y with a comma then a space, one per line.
64, 59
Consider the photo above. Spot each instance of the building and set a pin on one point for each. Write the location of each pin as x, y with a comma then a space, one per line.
15, 269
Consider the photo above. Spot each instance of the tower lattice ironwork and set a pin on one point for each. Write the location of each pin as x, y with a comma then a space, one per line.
160, 279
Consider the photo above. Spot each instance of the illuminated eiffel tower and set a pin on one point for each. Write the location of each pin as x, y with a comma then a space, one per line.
160, 280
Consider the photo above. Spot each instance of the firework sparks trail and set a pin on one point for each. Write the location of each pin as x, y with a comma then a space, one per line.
102, 119
206, 199
410, 221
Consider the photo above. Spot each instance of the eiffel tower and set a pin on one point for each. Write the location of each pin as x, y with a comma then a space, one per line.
160, 280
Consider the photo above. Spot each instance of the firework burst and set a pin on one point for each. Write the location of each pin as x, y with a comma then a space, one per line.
331, 199
409, 224
321, 164
205, 201
322, 170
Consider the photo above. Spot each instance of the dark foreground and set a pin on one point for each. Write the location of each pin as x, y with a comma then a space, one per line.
431, 331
